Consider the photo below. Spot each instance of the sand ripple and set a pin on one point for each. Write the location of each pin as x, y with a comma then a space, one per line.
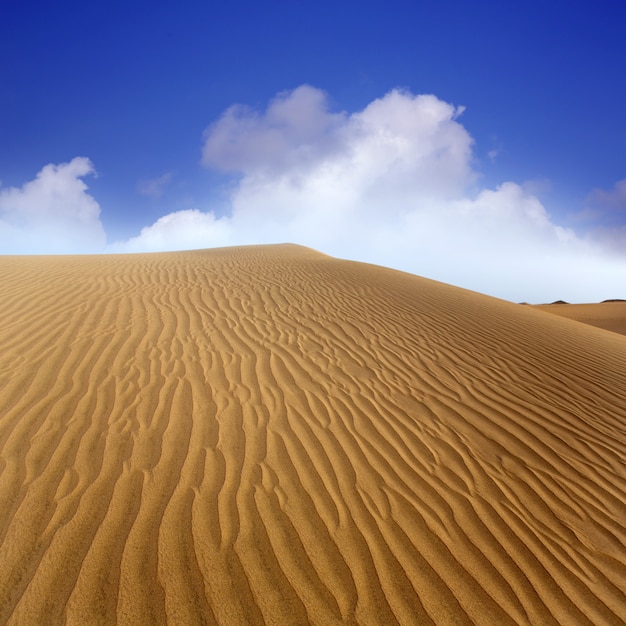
271, 436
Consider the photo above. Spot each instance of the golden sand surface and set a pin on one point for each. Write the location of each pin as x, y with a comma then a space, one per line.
608, 315
268, 435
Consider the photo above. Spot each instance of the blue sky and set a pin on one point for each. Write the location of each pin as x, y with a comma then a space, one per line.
481, 143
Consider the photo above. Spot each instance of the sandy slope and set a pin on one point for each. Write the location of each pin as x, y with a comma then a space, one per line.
269, 435
607, 315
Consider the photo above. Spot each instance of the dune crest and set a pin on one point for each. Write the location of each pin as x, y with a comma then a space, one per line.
267, 435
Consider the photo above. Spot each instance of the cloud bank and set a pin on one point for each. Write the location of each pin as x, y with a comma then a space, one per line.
52, 214
394, 184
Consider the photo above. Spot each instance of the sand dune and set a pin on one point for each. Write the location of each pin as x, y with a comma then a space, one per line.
269, 435
610, 315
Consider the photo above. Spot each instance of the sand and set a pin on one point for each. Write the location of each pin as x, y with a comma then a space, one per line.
268, 435
610, 315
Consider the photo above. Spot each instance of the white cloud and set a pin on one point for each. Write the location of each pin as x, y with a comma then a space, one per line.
51, 214
295, 129
392, 184
181, 230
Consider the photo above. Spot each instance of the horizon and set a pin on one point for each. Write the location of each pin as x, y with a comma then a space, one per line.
479, 146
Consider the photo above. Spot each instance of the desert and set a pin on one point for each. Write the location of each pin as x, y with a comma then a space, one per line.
609, 314
269, 435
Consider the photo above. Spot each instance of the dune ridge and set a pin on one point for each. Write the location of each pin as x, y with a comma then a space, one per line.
268, 435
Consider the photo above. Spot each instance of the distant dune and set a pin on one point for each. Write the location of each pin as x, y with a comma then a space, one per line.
268, 435
610, 314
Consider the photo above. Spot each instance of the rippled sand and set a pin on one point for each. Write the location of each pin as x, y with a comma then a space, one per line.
270, 435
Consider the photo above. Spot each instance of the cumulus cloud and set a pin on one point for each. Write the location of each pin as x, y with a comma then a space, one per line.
393, 184
51, 214
295, 129
181, 230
